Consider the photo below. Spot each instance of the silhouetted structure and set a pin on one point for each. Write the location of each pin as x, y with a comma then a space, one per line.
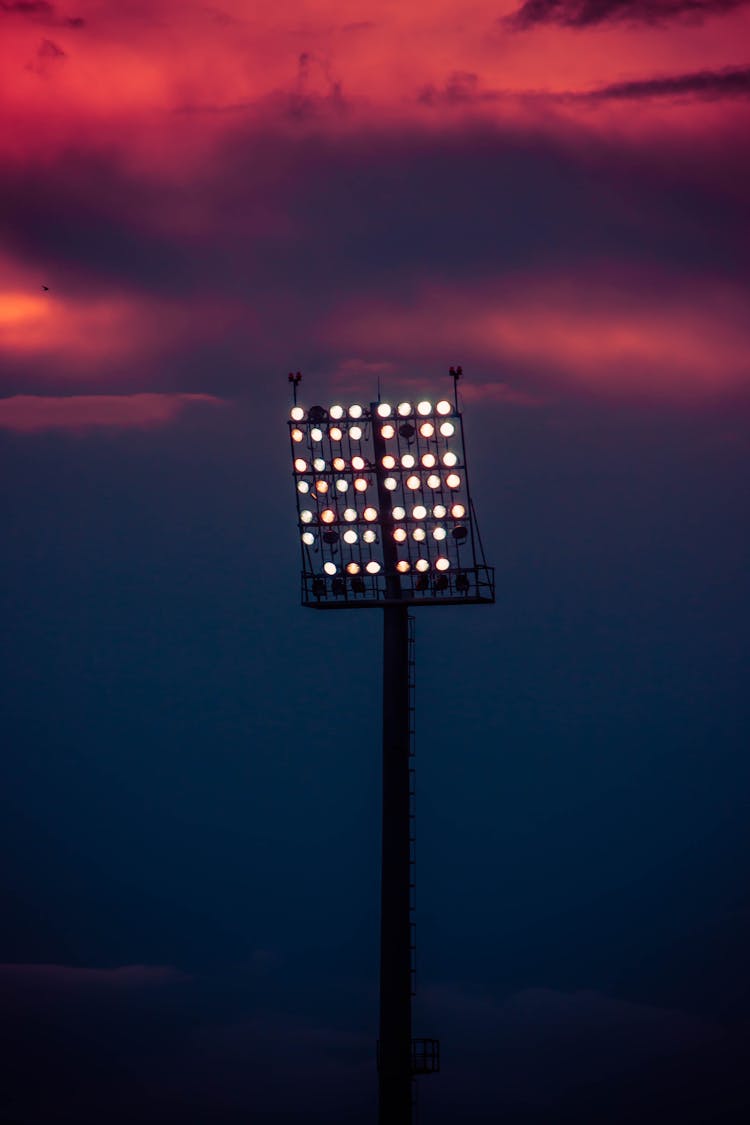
387, 522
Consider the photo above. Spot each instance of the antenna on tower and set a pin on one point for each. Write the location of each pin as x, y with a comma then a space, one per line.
456, 373
295, 380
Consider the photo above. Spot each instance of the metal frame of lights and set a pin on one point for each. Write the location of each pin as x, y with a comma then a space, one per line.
386, 521
384, 508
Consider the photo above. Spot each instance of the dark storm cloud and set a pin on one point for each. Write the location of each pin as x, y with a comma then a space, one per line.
590, 13
705, 85
41, 12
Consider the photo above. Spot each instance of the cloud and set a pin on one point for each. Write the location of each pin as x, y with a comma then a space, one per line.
36, 413
591, 13
708, 85
40, 12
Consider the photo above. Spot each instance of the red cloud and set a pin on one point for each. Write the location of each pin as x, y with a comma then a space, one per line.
34, 413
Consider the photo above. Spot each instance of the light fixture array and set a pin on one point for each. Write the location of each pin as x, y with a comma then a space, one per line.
383, 505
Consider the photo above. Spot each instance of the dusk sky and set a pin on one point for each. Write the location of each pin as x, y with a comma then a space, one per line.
195, 200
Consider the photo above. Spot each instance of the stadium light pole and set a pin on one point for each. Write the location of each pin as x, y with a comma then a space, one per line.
386, 522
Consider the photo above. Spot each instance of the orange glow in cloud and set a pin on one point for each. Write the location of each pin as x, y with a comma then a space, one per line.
608, 337
36, 413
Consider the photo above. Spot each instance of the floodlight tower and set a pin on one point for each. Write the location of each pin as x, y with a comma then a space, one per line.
387, 522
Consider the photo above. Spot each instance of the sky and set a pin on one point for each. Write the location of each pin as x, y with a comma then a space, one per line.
196, 200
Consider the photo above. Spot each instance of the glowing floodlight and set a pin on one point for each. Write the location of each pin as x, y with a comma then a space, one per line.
327, 515
388, 431
297, 435
404, 409
442, 563
399, 513
427, 429
399, 534
419, 534
308, 538
339, 464
440, 533
403, 566
360, 484
408, 461
440, 511
355, 411
358, 463
429, 460
433, 481
424, 407
413, 482
420, 512
390, 483
350, 514
458, 511
316, 434
336, 412
453, 480
384, 410
321, 486
389, 461
342, 485
369, 536
319, 464
297, 413
373, 567
350, 536
370, 514
450, 459
303, 486
306, 516
329, 568
355, 433
421, 565
300, 465
335, 433
353, 568
447, 429
443, 407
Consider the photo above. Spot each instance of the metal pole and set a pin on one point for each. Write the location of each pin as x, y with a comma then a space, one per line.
395, 1073
394, 1055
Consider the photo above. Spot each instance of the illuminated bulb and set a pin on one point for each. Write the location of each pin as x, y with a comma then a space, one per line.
297, 413
424, 407
439, 511
335, 433
370, 514
399, 535
402, 566
408, 461
384, 409
342, 485
427, 429
388, 431
303, 486
413, 482
327, 515
319, 464
355, 411
441, 564
419, 534
450, 459
321, 486
389, 462
447, 429
305, 516
339, 464
336, 412
360, 484
372, 567
458, 511
443, 407
439, 533
404, 409
297, 435
399, 513
308, 538
352, 568
350, 515
453, 480
355, 433
316, 434
390, 483
368, 535
433, 481
329, 567
300, 465
350, 535
429, 460
358, 463
420, 512
421, 565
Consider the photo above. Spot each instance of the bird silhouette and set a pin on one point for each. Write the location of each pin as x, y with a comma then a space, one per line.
45, 288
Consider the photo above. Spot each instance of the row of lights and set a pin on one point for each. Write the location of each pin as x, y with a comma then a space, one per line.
370, 514
388, 431
373, 566
400, 535
383, 410
358, 464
